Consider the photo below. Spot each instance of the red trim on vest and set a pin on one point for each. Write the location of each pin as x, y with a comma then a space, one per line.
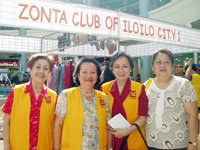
118, 105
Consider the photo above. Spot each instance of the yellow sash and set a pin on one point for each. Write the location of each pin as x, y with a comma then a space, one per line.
148, 83
130, 104
20, 121
73, 123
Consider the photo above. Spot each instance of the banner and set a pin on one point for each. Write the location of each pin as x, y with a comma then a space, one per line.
9, 64
81, 19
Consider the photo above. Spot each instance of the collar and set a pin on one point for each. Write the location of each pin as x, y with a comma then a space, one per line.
169, 88
126, 89
114, 86
29, 89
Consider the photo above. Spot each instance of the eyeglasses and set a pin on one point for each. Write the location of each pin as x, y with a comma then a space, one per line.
162, 63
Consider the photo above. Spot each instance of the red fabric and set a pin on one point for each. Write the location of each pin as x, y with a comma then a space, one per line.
143, 103
56, 60
8, 105
67, 77
34, 112
118, 106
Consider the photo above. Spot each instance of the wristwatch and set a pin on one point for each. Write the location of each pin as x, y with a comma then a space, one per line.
193, 143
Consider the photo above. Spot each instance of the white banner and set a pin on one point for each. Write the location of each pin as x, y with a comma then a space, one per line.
133, 27
65, 17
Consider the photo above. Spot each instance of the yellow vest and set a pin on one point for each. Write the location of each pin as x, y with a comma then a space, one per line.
73, 122
148, 83
130, 104
196, 85
20, 121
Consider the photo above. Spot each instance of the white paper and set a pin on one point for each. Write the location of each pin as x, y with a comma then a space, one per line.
119, 122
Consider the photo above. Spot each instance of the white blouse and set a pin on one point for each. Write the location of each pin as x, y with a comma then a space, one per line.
167, 122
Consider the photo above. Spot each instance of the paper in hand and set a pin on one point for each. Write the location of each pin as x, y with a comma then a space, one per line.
119, 122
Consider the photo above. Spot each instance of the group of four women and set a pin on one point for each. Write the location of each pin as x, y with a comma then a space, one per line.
164, 108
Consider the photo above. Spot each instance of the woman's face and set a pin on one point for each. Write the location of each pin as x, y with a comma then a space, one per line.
162, 66
88, 74
40, 71
121, 68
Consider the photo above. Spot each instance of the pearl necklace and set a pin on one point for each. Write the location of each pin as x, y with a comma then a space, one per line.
86, 93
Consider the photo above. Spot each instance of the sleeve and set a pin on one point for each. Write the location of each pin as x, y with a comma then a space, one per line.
61, 106
188, 93
191, 78
9, 102
143, 103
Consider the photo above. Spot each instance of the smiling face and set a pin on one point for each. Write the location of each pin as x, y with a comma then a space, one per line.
162, 66
121, 68
40, 71
88, 74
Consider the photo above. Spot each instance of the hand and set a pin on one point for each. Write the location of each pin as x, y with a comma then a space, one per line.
190, 62
120, 133
109, 128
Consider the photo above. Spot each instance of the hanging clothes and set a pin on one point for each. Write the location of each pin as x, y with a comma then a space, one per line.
56, 60
62, 75
57, 79
67, 77
72, 81
51, 84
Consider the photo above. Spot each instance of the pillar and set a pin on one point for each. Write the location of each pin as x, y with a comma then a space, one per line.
144, 8
23, 58
145, 68
196, 58
93, 2
145, 61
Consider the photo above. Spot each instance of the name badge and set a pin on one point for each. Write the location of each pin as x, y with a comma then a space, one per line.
102, 103
133, 94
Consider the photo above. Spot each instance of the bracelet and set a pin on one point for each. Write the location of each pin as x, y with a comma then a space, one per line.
193, 143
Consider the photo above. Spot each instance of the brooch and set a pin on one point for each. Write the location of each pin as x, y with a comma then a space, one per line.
48, 99
102, 103
133, 94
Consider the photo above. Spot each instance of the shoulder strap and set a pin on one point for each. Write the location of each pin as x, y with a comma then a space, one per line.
126, 138
123, 143
141, 134
148, 83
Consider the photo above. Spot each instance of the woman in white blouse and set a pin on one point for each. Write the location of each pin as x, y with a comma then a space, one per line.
172, 116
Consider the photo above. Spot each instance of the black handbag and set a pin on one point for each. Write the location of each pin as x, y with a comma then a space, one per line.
126, 138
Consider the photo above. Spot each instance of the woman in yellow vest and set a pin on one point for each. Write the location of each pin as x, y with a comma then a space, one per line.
128, 98
82, 112
29, 109
172, 116
194, 77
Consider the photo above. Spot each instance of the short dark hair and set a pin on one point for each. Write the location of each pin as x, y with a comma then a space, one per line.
78, 67
121, 54
194, 67
163, 51
36, 57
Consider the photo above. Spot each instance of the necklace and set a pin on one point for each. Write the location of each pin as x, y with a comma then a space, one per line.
86, 93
